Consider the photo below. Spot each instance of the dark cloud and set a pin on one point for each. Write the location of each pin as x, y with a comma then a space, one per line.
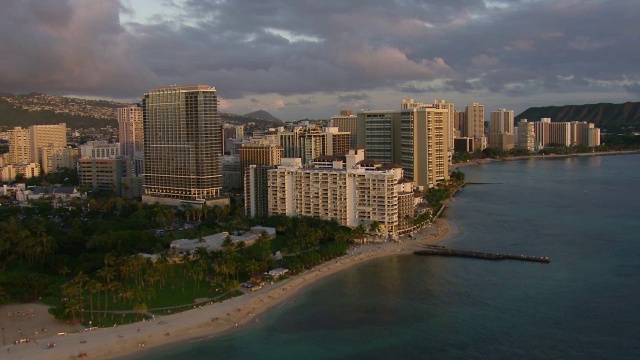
353, 97
247, 48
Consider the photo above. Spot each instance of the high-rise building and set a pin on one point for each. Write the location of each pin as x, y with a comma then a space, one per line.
182, 145
131, 134
416, 138
259, 152
475, 125
460, 124
308, 141
526, 135
450, 123
231, 172
233, 131
19, 146
424, 153
501, 122
379, 134
501, 133
548, 133
256, 190
346, 122
46, 135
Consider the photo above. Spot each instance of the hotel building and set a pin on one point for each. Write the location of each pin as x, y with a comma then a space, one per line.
347, 192
417, 138
346, 122
501, 130
572, 133
182, 145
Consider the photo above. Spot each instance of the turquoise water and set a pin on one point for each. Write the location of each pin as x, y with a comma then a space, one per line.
583, 213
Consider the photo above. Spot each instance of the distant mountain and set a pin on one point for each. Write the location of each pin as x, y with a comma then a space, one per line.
263, 115
246, 120
612, 118
12, 115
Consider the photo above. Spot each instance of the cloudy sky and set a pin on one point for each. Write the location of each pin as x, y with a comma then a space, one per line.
311, 58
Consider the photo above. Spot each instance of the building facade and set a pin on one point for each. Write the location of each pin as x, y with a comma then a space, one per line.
100, 149
348, 193
259, 152
450, 121
130, 131
417, 138
526, 135
102, 174
182, 145
256, 190
346, 122
55, 159
379, 134
46, 135
19, 146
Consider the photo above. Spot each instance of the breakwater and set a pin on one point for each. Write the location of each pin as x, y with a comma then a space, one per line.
436, 250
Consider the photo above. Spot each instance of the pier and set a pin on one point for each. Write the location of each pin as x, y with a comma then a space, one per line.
436, 250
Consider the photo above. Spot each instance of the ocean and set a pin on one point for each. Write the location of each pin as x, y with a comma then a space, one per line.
582, 212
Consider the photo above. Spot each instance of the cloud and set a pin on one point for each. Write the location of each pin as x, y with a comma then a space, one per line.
310, 53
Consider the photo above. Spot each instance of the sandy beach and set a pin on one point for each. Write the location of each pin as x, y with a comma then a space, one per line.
32, 320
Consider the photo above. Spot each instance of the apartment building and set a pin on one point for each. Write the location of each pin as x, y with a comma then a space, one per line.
417, 138
19, 146
46, 135
347, 192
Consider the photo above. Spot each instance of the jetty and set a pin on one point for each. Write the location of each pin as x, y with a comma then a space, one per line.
436, 250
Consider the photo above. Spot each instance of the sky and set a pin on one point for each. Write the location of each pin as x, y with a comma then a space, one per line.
312, 58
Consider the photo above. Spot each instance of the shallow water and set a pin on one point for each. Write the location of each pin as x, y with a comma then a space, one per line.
580, 212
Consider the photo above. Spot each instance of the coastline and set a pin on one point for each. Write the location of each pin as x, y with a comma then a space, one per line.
484, 161
211, 320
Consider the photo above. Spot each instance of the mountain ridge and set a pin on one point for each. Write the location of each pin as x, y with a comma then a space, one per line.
262, 115
609, 117
35, 108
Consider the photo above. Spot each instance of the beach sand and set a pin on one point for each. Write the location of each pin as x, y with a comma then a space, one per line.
201, 322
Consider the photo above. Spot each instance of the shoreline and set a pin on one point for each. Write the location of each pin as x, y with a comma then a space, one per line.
514, 158
204, 322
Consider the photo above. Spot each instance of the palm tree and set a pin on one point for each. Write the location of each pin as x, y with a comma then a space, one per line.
90, 285
80, 279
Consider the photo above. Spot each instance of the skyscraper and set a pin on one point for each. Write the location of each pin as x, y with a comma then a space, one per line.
501, 133
475, 125
416, 138
130, 131
182, 145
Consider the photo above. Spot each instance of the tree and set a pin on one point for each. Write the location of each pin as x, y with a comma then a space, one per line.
140, 308
80, 279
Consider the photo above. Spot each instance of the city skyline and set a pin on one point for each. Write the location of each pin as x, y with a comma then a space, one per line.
300, 60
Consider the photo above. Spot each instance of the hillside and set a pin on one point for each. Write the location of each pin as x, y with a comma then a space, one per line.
263, 115
246, 120
612, 118
42, 109
11, 116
